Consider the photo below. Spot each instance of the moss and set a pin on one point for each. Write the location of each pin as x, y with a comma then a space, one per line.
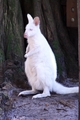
56, 44
9, 45
17, 49
59, 56
13, 29
59, 64
1, 56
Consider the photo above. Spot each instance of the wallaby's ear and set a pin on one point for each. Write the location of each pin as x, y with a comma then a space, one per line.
36, 21
30, 19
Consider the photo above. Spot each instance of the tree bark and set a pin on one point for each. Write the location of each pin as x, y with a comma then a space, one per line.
2, 57
64, 40
37, 4
52, 26
27, 7
78, 8
52, 36
11, 35
13, 27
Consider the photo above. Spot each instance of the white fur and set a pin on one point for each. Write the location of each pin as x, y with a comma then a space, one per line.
40, 65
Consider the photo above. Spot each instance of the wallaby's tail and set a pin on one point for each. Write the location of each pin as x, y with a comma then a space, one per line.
60, 89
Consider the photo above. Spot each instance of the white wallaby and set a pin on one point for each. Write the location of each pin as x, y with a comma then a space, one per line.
40, 64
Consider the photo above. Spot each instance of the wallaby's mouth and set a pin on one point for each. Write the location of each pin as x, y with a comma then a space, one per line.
25, 36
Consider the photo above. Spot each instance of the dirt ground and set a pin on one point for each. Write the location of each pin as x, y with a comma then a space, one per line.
56, 107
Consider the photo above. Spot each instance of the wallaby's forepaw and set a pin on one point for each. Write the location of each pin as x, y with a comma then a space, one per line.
25, 56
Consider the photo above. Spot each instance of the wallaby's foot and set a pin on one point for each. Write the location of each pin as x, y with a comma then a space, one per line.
27, 92
45, 93
41, 95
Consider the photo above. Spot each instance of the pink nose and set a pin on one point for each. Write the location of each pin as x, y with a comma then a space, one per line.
25, 36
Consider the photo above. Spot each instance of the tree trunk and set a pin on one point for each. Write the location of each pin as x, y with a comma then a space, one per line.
52, 26
37, 4
2, 57
78, 8
27, 7
13, 26
43, 10
11, 35
64, 40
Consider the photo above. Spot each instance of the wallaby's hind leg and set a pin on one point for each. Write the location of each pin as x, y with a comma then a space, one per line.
28, 92
45, 93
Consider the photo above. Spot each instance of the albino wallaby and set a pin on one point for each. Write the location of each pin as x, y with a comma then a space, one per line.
40, 64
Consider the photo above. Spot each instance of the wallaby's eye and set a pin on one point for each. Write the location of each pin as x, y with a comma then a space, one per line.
30, 29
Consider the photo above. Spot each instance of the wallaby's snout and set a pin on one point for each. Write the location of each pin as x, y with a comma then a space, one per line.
25, 35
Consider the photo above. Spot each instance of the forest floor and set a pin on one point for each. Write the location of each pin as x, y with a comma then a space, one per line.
55, 107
